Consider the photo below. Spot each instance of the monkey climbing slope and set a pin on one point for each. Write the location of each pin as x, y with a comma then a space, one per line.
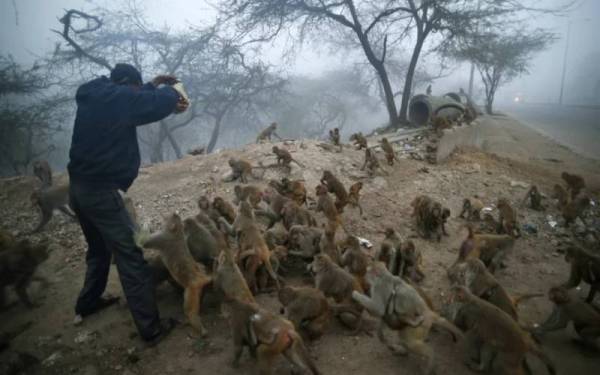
107, 344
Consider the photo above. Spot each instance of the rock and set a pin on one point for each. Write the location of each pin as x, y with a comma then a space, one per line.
51, 359
90, 370
380, 182
519, 184
84, 336
473, 168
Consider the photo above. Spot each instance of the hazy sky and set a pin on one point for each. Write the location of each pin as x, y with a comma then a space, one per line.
32, 36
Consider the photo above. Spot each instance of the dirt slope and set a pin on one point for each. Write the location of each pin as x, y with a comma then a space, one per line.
107, 343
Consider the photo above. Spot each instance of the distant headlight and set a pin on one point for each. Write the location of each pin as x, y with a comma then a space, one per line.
517, 99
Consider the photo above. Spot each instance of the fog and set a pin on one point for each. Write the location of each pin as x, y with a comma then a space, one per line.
328, 81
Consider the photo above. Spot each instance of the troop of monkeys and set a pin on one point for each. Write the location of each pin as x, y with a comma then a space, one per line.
227, 250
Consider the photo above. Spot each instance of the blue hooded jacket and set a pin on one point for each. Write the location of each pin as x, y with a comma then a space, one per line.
104, 147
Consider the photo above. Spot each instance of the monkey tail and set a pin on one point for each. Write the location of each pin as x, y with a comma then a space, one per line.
518, 299
443, 323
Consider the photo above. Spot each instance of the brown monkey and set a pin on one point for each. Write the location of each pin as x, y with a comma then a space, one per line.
277, 235
359, 140
354, 196
305, 240
241, 169
561, 194
328, 246
293, 189
266, 335
387, 148
253, 249
574, 209
372, 163
325, 204
284, 157
440, 123
478, 280
337, 283
276, 203
585, 318
200, 242
334, 136
430, 217
408, 262
401, 307
170, 242
488, 224
499, 337
507, 219
584, 266
42, 170
48, 200
207, 209
354, 259
389, 249
293, 214
228, 278
575, 183
336, 187
535, 198
268, 133
491, 249
472, 207
249, 192
307, 308
17, 267
224, 208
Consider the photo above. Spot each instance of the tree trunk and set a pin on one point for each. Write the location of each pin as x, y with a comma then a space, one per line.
215, 134
406, 93
172, 140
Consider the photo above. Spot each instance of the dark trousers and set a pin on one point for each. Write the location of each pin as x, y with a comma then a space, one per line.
109, 230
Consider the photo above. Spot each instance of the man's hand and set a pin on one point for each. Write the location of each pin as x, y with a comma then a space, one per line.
164, 79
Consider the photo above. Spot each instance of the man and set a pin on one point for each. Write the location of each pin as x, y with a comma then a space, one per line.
105, 158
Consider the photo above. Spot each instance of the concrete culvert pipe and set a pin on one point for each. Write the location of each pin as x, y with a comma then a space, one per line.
423, 107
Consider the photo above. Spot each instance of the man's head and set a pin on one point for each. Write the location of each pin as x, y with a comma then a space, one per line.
125, 74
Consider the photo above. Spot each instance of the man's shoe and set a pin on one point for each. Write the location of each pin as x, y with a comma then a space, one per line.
166, 326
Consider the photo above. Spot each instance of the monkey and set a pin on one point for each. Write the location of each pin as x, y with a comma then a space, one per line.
266, 335
561, 194
440, 123
171, 244
491, 249
480, 282
507, 219
241, 169
254, 251
488, 224
277, 235
372, 163
276, 203
584, 266
430, 217
574, 209
472, 208
354, 196
585, 318
354, 259
336, 187
408, 262
284, 158
200, 242
307, 308
501, 341
42, 170
224, 208
428, 90
390, 154
268, 133
305, 240
17, 267
325, 204
328, 246
337, 283
49, 199
293, 189
334, 137
359, 140
249, 192
208, 209
388, 251
575, 183
400, 306
470, 115
228, 278
535, 198
293, 214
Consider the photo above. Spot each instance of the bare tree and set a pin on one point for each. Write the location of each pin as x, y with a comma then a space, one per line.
500, 58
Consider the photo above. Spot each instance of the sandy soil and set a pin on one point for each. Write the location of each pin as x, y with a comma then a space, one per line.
107, 343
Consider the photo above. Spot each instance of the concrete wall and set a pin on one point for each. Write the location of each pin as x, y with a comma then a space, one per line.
466, 135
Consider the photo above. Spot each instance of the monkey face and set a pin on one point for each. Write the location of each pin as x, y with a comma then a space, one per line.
320, 263
459, 294
389, 232
320, 190
275, 149
173, 223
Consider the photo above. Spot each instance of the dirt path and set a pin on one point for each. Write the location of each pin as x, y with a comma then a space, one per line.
107, 343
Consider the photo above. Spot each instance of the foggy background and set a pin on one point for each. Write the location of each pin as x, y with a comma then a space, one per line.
325, 85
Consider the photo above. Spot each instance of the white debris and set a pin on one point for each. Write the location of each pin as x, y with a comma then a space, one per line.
364, 242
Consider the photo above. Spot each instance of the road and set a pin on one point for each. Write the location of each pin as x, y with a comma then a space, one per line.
575, 127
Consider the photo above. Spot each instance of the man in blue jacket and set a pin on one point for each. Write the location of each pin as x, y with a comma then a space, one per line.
105, 158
